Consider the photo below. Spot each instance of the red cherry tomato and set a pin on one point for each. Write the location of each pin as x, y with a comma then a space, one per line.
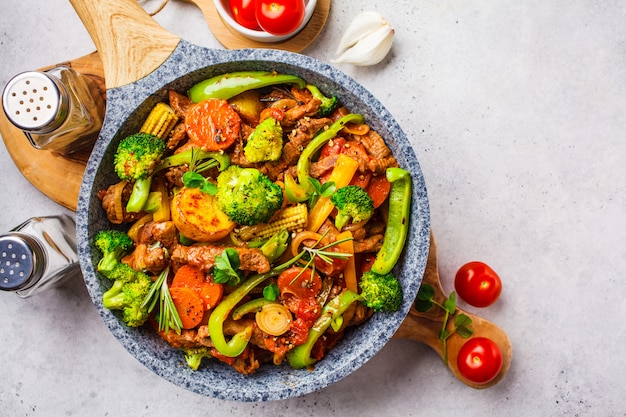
477, 284
243, 12
279, 17
479, 360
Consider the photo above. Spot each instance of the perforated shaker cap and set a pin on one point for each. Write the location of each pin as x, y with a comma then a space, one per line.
33, 101
19, 262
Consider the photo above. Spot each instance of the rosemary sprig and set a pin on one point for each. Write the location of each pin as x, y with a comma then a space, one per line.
323, 253
167, 317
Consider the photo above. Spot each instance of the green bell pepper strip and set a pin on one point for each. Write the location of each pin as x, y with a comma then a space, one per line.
229, 85
239, 341
249, 307
397, 222
304, 162
300, 356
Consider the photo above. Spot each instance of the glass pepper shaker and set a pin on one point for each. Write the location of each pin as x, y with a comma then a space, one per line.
58, 110
38, 254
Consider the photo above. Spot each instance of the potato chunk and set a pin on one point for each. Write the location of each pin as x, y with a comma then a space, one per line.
198, 217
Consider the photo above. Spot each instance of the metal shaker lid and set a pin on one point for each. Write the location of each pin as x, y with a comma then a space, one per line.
34, 101
20, 265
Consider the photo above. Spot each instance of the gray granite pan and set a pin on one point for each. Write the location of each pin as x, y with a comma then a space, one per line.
141, 62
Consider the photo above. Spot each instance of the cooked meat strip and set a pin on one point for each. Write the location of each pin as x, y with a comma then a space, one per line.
203, 257
162, 232
369, 244
180, 103
147, 258
306, 129
174, 175
178, 136
375, 145
188, 339
323, 165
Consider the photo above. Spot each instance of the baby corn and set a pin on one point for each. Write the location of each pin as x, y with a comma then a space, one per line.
160, 121
291, 218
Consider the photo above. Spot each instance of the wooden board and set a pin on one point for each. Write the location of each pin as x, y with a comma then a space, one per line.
233, 40
57, 176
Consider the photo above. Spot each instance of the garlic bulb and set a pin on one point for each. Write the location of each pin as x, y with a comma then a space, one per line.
367, 40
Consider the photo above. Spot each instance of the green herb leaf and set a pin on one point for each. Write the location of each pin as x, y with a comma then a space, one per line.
424, 299
426, 292
462, 324
208, 188
270, 292
192, 179
462, 320
450, 304
225, 269
327, 189
423, 305
320, 190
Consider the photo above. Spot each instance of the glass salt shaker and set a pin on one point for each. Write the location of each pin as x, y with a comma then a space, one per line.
38, 254
58, 110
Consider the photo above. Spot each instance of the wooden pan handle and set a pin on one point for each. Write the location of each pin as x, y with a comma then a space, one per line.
131, 44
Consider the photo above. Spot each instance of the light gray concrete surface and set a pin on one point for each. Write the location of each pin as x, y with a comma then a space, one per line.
517, 114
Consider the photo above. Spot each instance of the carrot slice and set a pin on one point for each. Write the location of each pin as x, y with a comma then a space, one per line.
189, 306
211, 294
188, 276
212, 124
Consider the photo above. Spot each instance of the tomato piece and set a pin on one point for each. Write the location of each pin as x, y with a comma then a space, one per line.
477, 284
301, 282
335, 267
279, 17
340, 145
378, 189
333, 147
212, 124
243, 12
479, 360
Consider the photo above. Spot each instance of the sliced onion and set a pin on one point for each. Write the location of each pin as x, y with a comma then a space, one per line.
274, 319
301, 237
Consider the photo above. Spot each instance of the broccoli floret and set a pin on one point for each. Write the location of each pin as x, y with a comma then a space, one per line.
247, 196
194, 357
135, 159
128, 294
137, 155
381, 292
353, 204
113, 244
328, 103
265, 143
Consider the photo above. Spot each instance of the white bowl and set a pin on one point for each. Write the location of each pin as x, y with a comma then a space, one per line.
259, 35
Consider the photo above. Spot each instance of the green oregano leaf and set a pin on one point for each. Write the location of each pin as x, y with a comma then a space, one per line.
450, 304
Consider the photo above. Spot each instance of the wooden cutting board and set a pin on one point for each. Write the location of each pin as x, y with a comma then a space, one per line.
57, 176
